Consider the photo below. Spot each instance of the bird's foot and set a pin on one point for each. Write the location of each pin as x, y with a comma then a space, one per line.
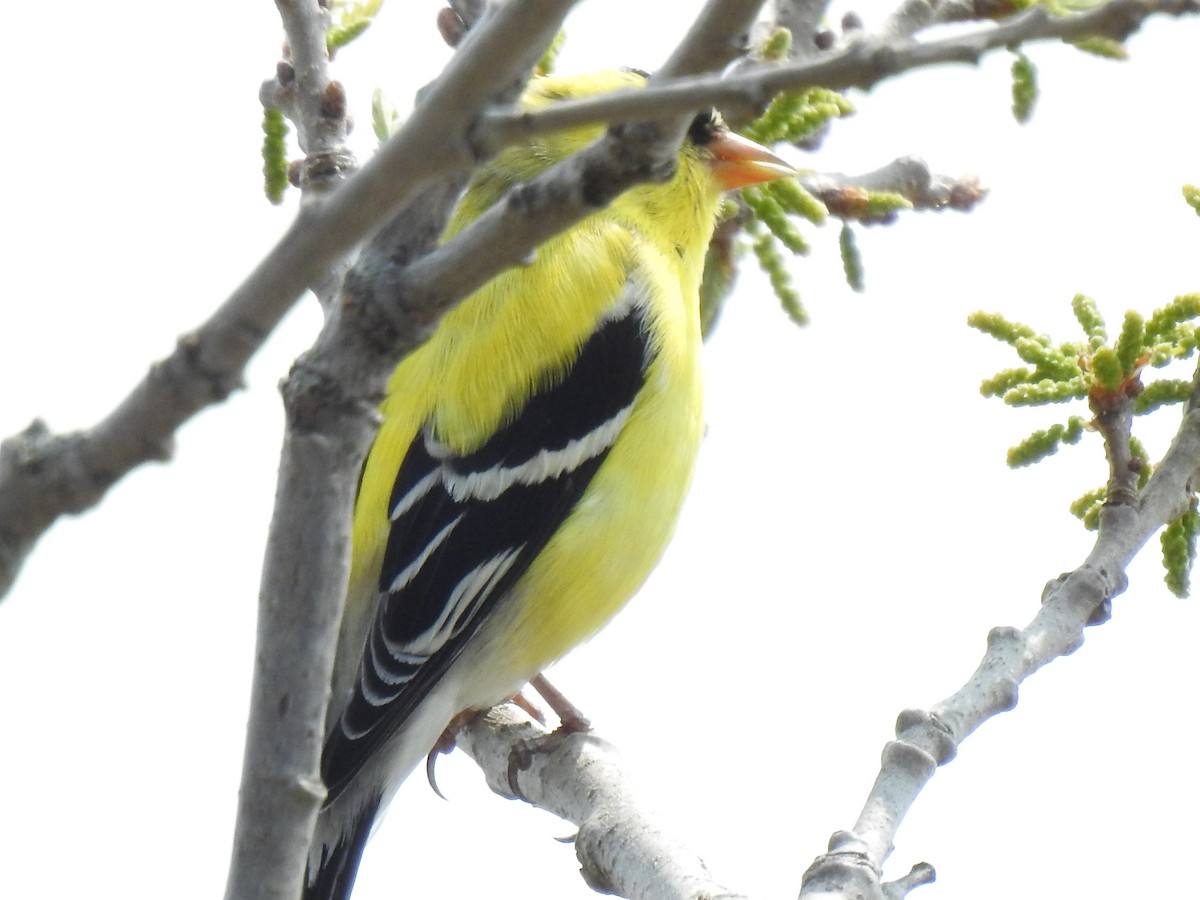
444, 745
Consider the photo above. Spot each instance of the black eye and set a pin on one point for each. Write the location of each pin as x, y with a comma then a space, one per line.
705, 127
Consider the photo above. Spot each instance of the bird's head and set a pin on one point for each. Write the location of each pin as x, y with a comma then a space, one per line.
711, 159
733, 160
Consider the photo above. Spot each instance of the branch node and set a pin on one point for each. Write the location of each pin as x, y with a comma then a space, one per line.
923, 741
326, 168
40, 454
219, 385
844, 871
316, 402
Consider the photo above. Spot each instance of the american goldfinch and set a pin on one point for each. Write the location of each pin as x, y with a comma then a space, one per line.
531, 462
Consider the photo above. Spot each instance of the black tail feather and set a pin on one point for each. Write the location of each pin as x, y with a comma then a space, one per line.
334, 878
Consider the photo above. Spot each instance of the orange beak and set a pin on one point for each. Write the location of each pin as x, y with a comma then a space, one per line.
738, 161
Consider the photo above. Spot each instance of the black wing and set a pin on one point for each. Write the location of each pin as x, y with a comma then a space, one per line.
465, 528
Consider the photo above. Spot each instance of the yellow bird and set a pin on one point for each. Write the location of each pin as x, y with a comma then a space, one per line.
531, 464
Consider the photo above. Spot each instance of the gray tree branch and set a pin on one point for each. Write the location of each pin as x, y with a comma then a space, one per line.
1069, 603
908, 175
861, 64
620, 847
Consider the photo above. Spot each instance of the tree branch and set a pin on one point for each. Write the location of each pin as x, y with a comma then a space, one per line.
313, 101
718, 36
578, 777
317, 106
908, 175
862, 64
928, 739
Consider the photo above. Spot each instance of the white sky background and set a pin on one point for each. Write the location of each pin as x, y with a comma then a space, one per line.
852, 535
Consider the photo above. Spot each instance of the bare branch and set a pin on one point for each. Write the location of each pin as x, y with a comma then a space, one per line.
303, 90
914, 16
862, 64
908, 175
316, 104
927, 739
910, 17
621, 849
719, 35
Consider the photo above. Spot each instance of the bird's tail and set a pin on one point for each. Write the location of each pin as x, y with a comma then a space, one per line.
333, 878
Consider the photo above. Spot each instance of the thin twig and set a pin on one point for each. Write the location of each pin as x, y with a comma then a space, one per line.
863, 64
908, 175
303, 89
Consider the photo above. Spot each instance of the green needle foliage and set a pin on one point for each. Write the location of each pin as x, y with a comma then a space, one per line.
1024, 73
274, 154
775, 208
777, 45
1024, 87
772, 262
1087, 508
1109, 376
1105, 48
1091, 369
796, 115
1179, 550
772, 229
1046, 442
770, 212
1191, 194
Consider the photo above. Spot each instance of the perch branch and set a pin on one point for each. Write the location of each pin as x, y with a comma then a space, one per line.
620, 847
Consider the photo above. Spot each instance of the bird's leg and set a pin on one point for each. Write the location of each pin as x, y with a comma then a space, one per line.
570, 719
522, 702
570, 722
